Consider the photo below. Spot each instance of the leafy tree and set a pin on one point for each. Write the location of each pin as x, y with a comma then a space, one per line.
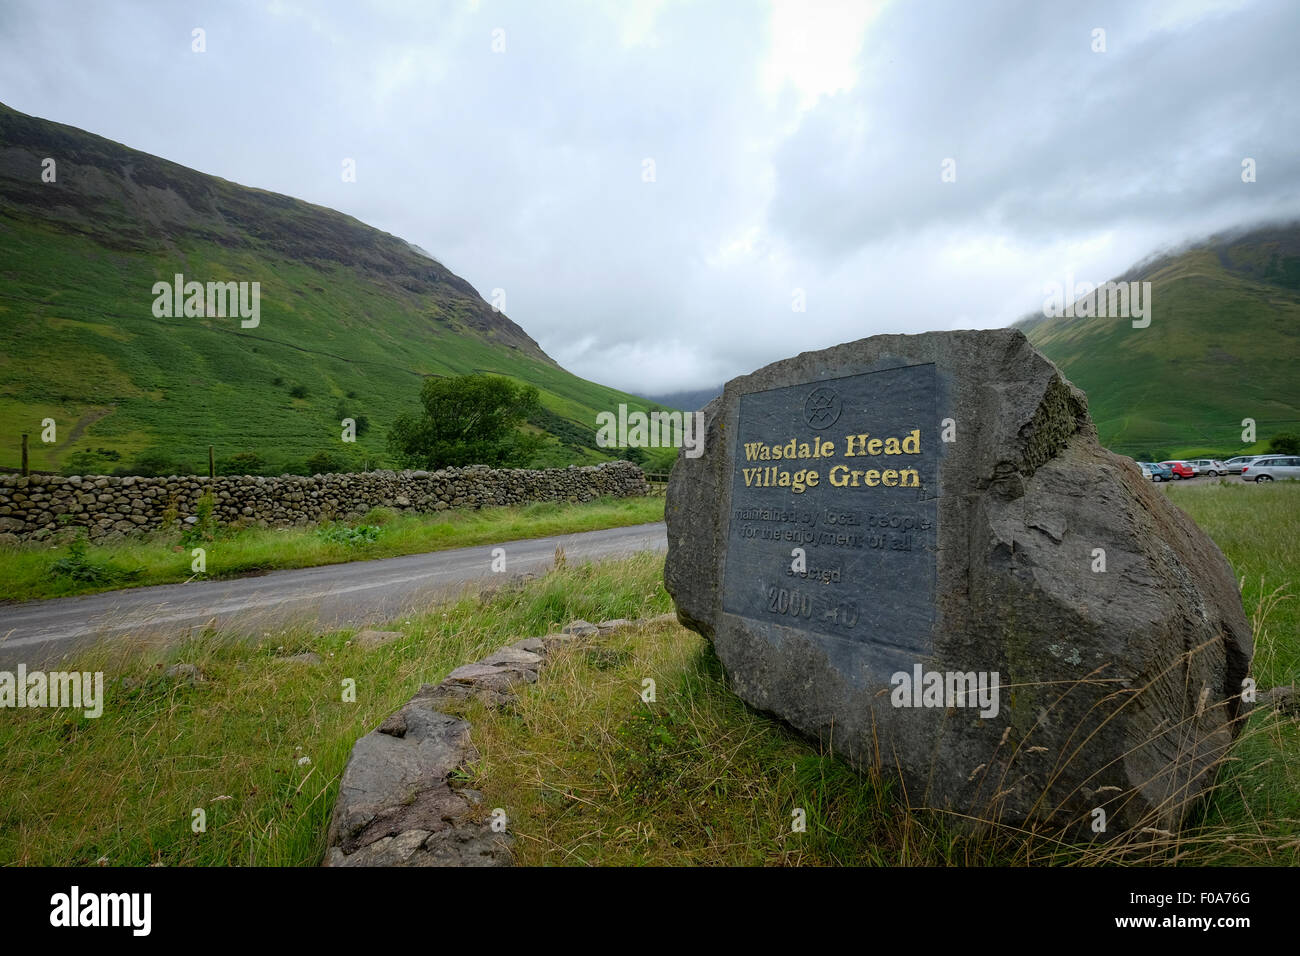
298, 391
1285, 443
467, 420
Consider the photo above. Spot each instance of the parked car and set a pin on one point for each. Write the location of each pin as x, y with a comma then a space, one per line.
1273, 468
1209, 466
1157, 472
1180, 469
1235, 465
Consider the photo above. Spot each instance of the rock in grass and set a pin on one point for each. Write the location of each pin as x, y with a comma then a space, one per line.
914, 549
308, 657
189, 673
368, 638
396, 805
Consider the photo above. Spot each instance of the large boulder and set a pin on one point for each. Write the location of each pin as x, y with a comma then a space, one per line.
975, 596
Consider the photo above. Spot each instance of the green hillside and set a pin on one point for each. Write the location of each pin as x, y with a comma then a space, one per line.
1223, 345
351, 321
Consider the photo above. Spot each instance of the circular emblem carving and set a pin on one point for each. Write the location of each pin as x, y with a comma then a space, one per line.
822, 408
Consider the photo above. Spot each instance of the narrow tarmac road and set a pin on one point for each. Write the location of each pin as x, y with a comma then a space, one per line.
334, 595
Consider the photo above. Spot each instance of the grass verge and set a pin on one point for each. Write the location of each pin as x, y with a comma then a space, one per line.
29, 571
124, 786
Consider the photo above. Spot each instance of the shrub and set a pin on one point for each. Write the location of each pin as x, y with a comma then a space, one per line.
83, 463
204, 527
1285, 443
325, 463
243, 463
351, 537
298, 391
379, 515
76, 566
153, 464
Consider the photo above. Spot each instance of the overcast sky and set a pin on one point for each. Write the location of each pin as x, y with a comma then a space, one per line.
795, 146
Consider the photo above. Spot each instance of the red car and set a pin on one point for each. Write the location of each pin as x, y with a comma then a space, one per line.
1180, 469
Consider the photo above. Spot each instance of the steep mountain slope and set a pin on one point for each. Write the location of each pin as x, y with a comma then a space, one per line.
1223, 345
351, 318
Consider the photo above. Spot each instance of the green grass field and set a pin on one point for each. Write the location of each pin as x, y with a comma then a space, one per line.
32, 570
589, 773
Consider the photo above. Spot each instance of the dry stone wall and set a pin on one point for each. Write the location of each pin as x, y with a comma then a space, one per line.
39, 505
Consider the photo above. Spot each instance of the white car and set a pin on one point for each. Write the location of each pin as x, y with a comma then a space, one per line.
1209, 466
1235, 465
1274, 467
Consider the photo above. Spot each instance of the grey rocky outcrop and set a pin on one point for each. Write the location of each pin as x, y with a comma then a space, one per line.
397, 802
1119, 681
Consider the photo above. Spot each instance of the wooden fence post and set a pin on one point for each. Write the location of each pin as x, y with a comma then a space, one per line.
212, 464
24, 471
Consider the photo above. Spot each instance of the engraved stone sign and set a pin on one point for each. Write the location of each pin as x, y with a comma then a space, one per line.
892, 546
845, 471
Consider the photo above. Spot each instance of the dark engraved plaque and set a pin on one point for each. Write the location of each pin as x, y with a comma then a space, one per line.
847, 470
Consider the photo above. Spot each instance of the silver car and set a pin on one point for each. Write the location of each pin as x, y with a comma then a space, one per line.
1235, 465
1274, 467
1208, 466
